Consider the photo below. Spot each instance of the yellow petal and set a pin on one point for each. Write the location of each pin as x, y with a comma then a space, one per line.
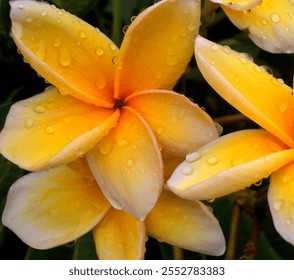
180, 126
50, 208
66, 51
127, 165
120, 236
186, 224
247, 87
238, 5
51, 129
232, 162
270, 24
281, 201
157, 47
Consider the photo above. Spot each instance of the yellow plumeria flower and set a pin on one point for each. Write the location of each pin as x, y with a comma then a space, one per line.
237, 160
115, 106
50, 208
270, 23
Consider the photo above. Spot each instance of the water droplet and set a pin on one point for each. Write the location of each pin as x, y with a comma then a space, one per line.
289, 222
53, 212
105, 147
49, 129
212, 161
226, 49
278, 204
192, 26
112, 47
243, 60
43, 13
264, 21
82, 35
39, 109
57, 43
122, 142
257, 69
286, 179
283, 106
275, 18
64, 57
160, 130
101, 82
29, 123
246, 12
20, 6
187, 170
130, 163
29, 19
125, 29
99, 51
215, 47
192, 157
258, 183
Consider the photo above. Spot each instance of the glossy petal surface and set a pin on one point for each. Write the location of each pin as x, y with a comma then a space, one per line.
179, 125
238, 5
120, 236
189, 225
47, 209
281, 201
127, 165
232, 162
156, 49
247, 87
62, 48
270, 24
51, 129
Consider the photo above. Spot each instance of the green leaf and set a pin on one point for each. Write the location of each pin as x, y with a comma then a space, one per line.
79, 8
84, 248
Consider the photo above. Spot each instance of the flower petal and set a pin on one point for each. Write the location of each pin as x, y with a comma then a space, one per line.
232, 162
120, 236
238, 5
50, 129
156, 49
281, 201
127, 165
171, 116
238, 80
189, 225
50, 208
270, 24
69, 53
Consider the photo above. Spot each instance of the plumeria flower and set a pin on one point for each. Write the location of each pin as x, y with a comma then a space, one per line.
51, 208
114, 106
239, 159
270, 23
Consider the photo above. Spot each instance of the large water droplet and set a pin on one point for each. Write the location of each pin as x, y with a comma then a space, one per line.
105, 147
278, 204
192, 157
64, 57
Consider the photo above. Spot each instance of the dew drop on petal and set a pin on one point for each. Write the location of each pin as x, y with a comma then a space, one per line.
282, 106
130, 163
187, 170
286, 179
122, 142
212, 160
278, 204
39, 109
29, 123
275, 17
49, 129
288, 222
105, 147
192, 157
82, 35
99, 51
160, 130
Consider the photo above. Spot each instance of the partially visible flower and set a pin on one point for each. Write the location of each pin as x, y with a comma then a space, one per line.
114, 106
270, 23
50, 208
238, 160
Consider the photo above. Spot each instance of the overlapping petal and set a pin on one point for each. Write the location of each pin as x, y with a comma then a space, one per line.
120, 236
232, 162
50, 208
165, 111
51, 129
67, 50
270, 24
247, 87
281, 201
157, 63
238, 5
127, 165
186, 224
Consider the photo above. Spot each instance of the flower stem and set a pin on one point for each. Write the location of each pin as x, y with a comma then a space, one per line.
234, 230
117, 21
